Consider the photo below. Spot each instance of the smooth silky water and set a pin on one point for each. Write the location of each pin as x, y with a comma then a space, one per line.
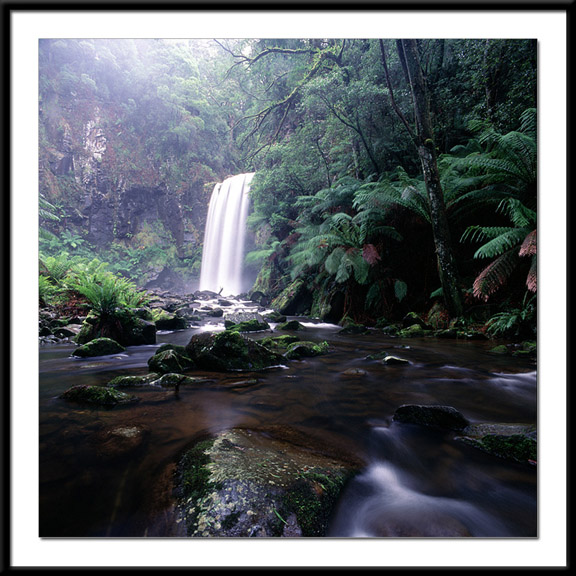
417, 481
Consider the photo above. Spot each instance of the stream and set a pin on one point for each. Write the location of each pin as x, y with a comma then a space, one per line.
417, 482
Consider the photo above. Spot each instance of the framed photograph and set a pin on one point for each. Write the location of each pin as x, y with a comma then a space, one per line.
292, 307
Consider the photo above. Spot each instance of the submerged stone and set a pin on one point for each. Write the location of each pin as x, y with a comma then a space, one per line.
432, 415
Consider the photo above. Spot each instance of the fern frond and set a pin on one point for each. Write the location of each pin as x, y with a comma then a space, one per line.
400, 290
529, 245
333, 260
532, 278
529, 122
519, 214
480, 233
495, 275
501, 243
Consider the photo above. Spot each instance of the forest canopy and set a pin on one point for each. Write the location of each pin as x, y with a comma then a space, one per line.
391, 175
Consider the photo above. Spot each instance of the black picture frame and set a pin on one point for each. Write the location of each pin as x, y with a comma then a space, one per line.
11, 322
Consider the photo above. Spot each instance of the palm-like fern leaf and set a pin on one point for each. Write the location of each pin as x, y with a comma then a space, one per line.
532, 278
495, 275
501, 243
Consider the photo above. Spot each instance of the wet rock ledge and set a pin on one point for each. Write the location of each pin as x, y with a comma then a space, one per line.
247, 483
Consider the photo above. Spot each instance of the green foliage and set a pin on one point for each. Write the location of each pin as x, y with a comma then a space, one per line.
46, 290
63, 275
338, 199
515, 322
510, 166
106, 292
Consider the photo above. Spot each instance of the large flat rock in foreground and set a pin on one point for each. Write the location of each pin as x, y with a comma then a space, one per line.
245, 483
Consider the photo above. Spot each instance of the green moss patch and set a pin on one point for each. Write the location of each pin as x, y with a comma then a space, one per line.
97, 395
98, 347
244, 483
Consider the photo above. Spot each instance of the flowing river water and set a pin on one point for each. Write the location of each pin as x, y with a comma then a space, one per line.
417, 481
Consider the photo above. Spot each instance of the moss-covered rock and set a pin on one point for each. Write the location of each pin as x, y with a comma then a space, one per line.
168, 360
134, 381
305, 349
229, 351
98, 347
244, 483
279, 342
445, 417
97, 395
172, 380
350, 327
253, 325
415, 330
292, 325
124, 326
294, 300
165, 320
510, 441
413, 319
275, 316
500, 349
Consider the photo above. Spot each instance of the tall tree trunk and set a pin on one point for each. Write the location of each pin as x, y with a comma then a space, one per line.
447, 268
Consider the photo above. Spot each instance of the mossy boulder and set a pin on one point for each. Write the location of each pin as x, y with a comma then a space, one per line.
253, 325
413, 319
292, 325
279, 342
173, 380
438, 416
413, 331
294, 300
500, 349
98, 347
165, 320
245, 483
124, 326
134, 381
510, 441
97, 395
230, 351
168, 360
305, 349
275, 316
353, 328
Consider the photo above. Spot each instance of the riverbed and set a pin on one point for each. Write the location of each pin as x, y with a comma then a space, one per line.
108, 472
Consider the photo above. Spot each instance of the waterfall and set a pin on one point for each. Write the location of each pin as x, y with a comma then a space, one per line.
223, 252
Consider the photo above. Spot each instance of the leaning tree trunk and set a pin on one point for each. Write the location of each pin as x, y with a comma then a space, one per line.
447, 269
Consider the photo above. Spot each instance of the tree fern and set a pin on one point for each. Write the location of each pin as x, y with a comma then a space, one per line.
495, 275
507, 168
504, 241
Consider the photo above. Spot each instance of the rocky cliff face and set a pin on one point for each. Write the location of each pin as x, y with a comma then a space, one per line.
114, 200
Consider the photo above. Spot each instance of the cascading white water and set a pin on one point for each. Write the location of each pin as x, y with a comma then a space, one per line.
224, 238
